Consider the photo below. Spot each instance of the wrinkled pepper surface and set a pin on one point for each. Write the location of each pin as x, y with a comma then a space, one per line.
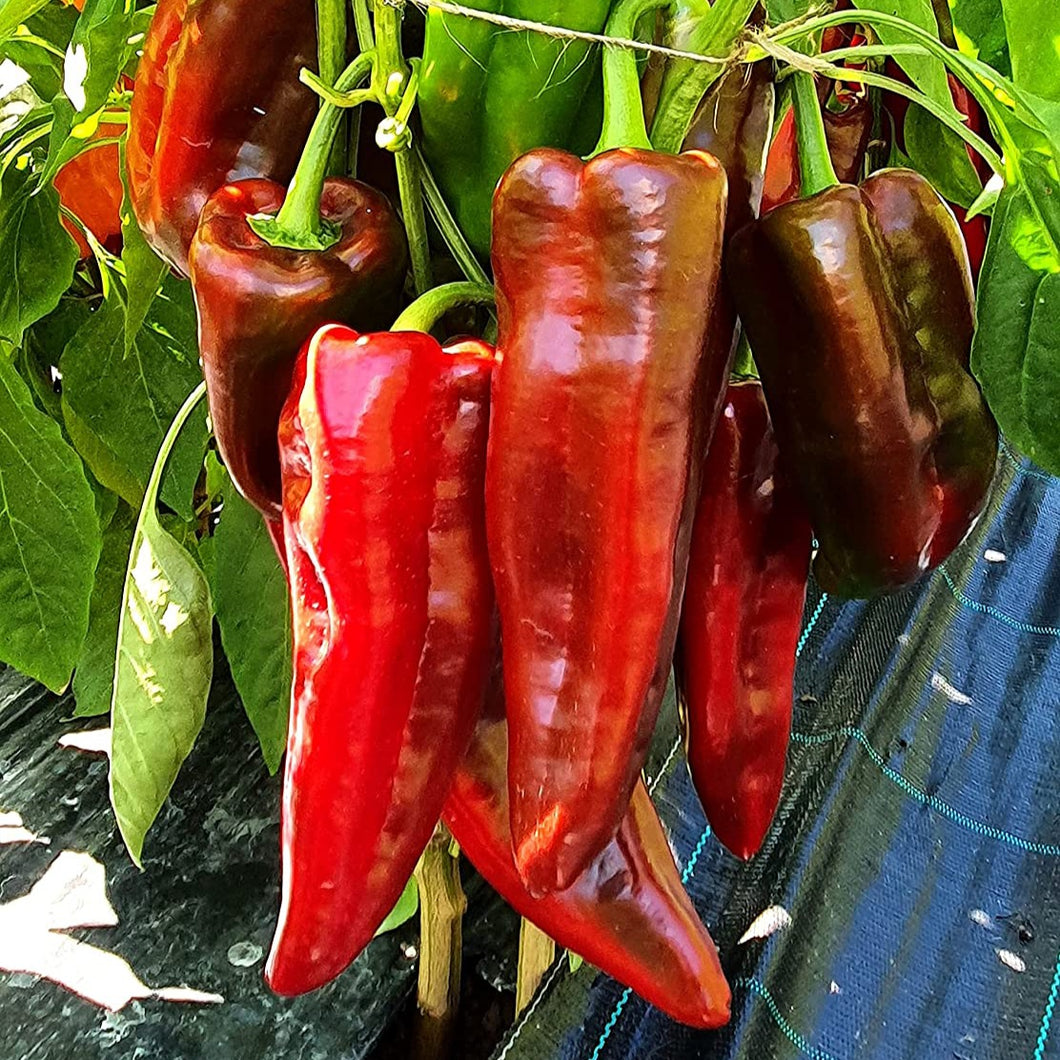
383, 447
858, 304
740, 624
217, 99
257, 304
627, 913
606, 276
488, 96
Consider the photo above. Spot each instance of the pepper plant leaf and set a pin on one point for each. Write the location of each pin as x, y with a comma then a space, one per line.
980, 29
1032, 28
163, 664
250, 597
404, 909
49, 539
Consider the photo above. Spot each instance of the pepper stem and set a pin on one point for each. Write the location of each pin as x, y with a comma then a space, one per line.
298, 225
623, 110
442, 906
536, 952
429, 308
395, 87
331, 57
815, 161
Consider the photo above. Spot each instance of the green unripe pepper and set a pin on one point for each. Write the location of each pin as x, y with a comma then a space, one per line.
488, 95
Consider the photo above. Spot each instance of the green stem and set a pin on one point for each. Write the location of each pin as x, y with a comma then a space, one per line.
331, 58
685, 83
362, 25
536, 953
298, 224
815, 161
429, 308
965, 69
443, 218
391, 81
623, 109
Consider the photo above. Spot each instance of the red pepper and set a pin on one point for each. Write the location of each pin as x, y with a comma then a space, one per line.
383, 448
606, 274
89, 186
258, 303
740, 624
627, 913
217, 99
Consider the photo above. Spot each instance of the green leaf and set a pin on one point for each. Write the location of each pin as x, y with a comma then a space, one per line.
980, 29
144, 269
253, 612
926, 72
117, 405
164, 662
779, 11
940, 154
1033, 30
14, 12
49, 540
94, 674
403, 911
37, 255
1015, 354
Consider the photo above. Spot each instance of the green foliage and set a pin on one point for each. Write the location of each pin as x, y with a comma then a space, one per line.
940, 154
164, 663
1033, 31
250, 597
37, 255
49, 539
404, 910
117, 405
980, 29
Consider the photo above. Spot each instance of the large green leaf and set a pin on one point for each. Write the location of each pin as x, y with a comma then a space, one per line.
49, 539
1033, 31
94, 675
253, 612
117, 405
14, 12
1015, 353
980, 29
37, 255
940, 154
163, 666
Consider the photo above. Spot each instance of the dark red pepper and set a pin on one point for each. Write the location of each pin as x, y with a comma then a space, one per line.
258, 303
383, 448
627, 913
217, 99
740, 624
859, 308
606, 275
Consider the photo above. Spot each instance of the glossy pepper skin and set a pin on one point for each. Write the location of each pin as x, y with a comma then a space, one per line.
627, 913
383, 447
257, 304
858, 304
487, 97
217, 99
89, 186
740, 624
606, 275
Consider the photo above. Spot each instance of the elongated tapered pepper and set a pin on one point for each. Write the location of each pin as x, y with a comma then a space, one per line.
217, 99
383, 448
488, 96
740, 624
627, 913
858, 305
258, 303
606, 276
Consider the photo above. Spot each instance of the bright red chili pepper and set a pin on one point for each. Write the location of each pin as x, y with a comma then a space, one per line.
382, 442
740, 624
627, 913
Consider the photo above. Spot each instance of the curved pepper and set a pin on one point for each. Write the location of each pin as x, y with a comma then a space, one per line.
383, 448
740, 624
606, 275
858, 305
487, 96
258, 303
627, 913
217, 99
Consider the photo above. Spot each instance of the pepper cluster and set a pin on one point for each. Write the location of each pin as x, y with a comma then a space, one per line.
497, 555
